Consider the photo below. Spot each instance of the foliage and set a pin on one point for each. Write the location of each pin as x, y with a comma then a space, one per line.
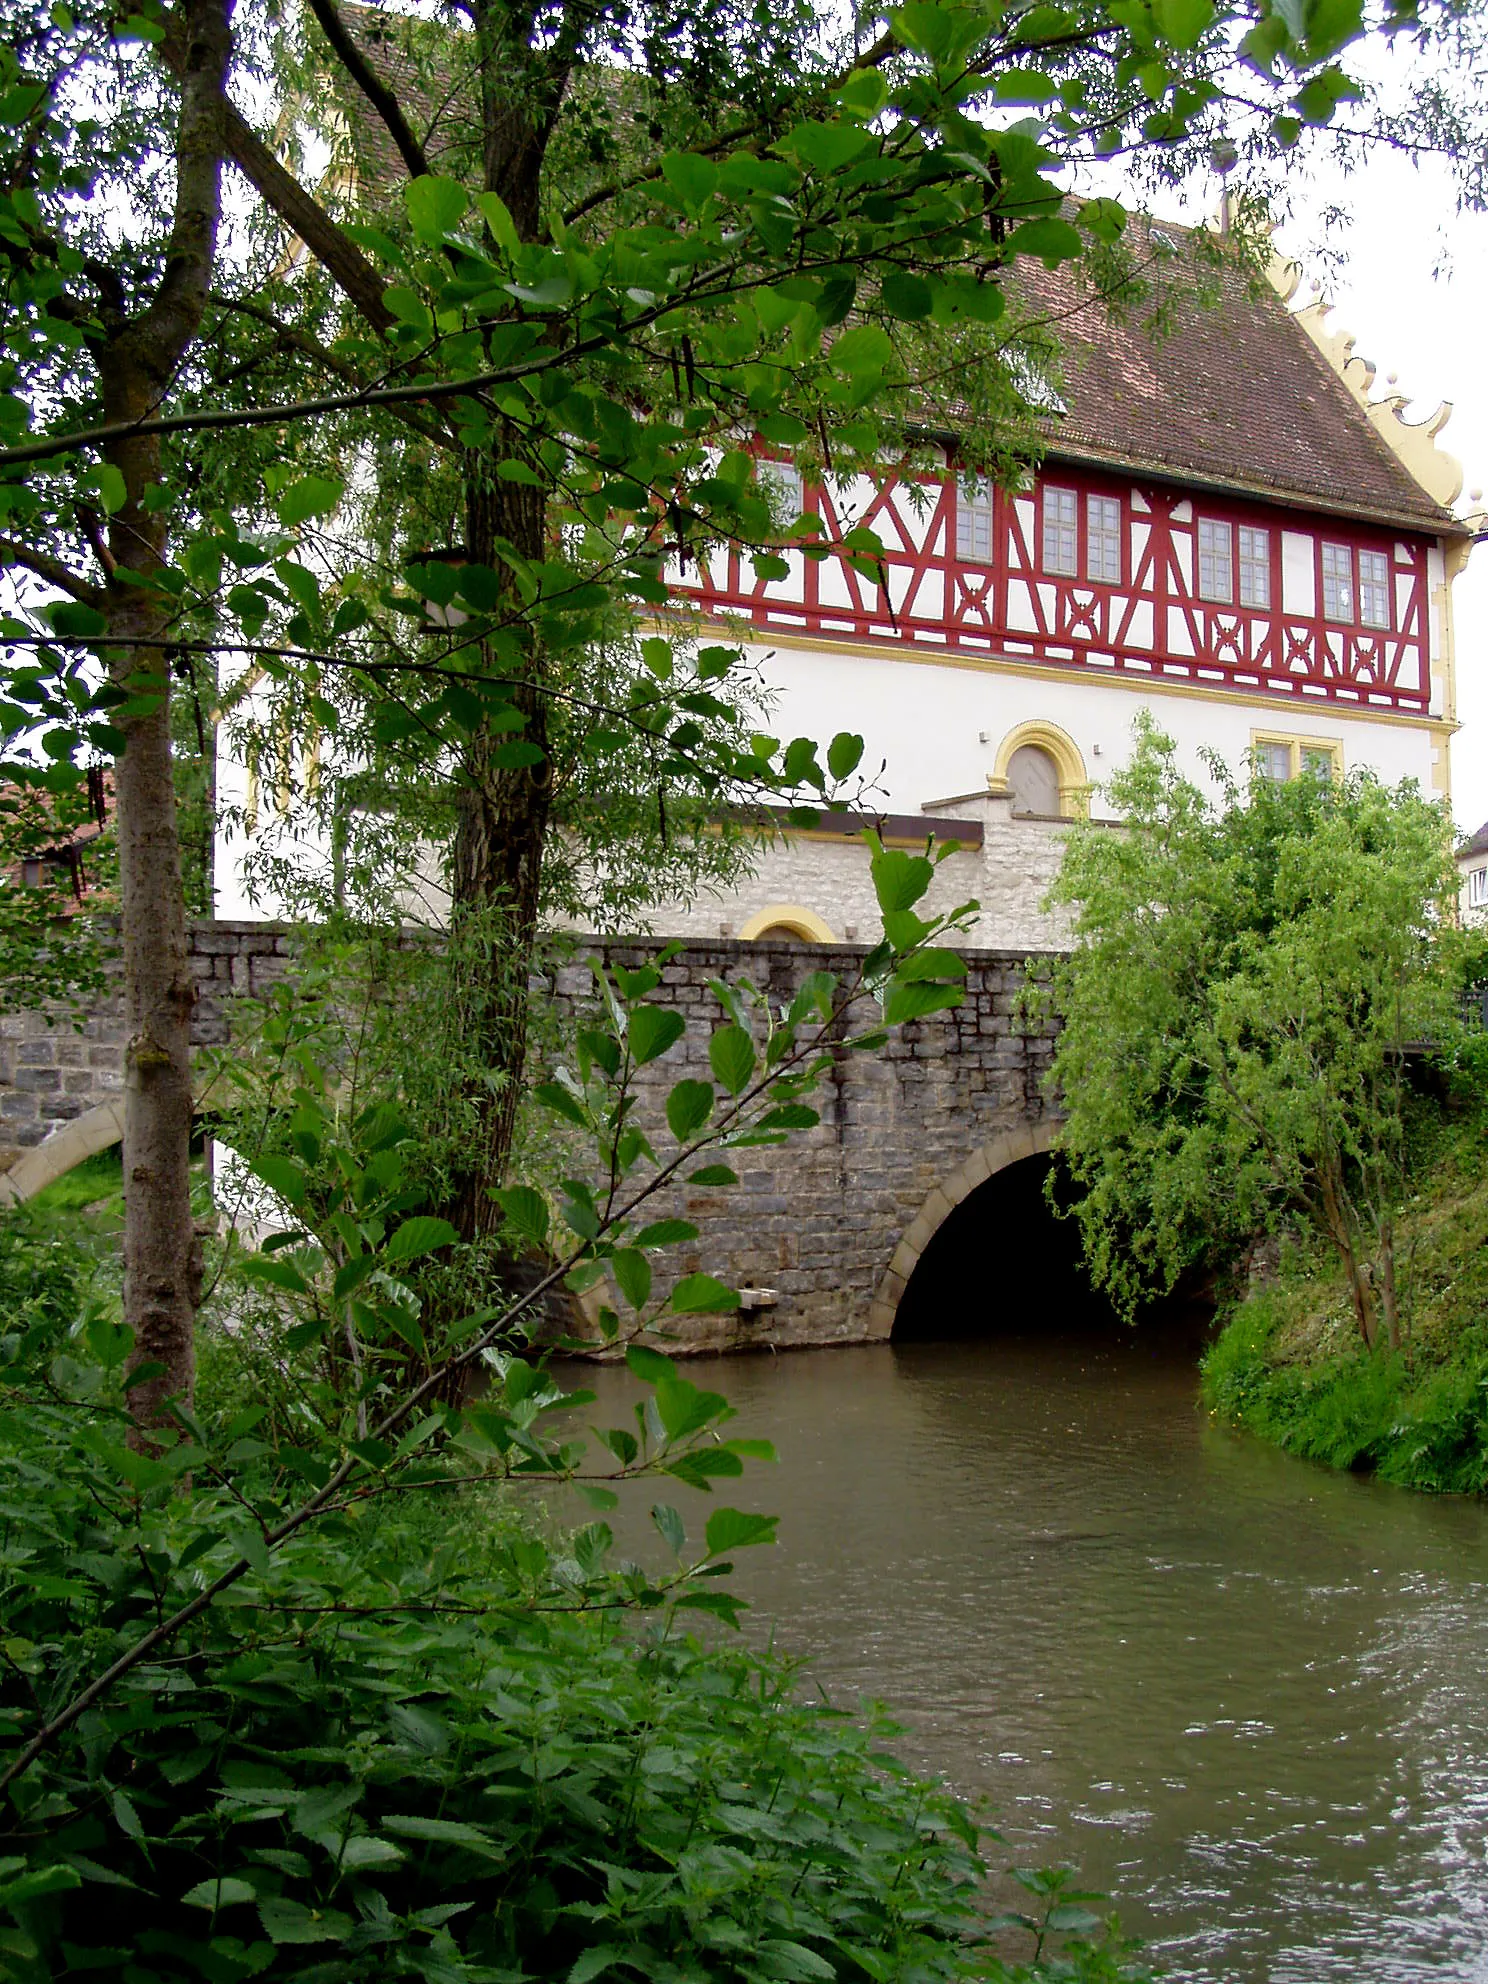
55, 946
1288, 1369
1245, 982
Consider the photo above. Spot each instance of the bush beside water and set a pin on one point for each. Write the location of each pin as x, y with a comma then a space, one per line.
1289, 1367
425, 1738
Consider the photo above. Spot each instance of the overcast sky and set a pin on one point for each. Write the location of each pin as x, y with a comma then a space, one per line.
1415, 292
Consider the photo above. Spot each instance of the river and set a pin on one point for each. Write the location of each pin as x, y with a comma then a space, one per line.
1246, 1698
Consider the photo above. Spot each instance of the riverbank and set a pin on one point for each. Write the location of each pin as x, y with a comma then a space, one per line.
1288, 1366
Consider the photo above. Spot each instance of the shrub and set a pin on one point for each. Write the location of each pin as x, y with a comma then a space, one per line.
419, 1741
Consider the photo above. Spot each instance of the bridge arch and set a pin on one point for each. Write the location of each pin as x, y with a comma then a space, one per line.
44, 1163
1009, 1147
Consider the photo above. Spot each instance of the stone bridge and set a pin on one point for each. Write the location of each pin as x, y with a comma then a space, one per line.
822, 1234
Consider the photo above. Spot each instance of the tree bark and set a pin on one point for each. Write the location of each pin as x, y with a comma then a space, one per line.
1336, 1223
502, 813
496, 874
137, 358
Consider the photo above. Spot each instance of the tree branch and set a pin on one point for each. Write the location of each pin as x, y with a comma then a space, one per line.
371, 85
52, 570
342, 260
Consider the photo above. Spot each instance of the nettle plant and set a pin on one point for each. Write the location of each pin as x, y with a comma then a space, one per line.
300, 1691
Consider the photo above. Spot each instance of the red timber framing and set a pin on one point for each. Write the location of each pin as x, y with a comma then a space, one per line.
1152, 622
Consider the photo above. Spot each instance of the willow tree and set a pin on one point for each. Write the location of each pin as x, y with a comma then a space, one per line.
1247, 976
600, 249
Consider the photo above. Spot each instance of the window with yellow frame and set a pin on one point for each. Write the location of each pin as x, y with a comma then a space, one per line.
1280, 758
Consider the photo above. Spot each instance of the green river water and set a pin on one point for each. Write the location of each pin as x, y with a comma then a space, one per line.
1247, 1698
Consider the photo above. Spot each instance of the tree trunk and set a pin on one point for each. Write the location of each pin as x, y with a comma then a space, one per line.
1337, 1226
496, 875
502, 812
137, 358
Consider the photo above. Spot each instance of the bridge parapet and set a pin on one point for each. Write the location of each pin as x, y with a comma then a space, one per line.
829, 1224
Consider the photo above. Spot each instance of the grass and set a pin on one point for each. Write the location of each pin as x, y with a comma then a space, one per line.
94, 1182
1289, 1367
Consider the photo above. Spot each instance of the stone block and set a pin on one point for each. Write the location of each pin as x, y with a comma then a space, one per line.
38, 1081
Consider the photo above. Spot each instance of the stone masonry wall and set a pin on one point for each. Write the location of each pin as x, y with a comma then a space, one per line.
52, 1071
814, 1224
817, 1221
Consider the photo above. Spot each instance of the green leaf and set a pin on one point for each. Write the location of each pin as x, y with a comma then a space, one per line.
733, 1529
652, 1367
914, 1001
632, 1272
442, 1832
525, 1209
673, 1533
713, 1174
666, 1233
286, 1921
651, 1030
1182, 22
70, 616
594, 1962
692, 178
863, 352
688, 1107
1051, 239
282, 1175
311, 496
844, 754
419, 1236
702, 1295
731, 1056
223, 1893
900, 879
907, 296
864, 94
826, 148
436, 206
113, 493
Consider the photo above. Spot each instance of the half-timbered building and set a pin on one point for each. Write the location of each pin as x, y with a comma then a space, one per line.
1228, 529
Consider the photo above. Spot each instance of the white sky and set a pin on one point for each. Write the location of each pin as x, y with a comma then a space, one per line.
1415, 293
1413, 289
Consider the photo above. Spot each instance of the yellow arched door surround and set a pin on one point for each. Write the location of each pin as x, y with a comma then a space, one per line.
1074, 782
790, 917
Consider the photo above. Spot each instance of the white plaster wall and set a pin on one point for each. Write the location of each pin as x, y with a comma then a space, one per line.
935, 726
924, 719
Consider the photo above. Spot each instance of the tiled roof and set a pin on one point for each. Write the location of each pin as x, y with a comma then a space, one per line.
1477, 845
1236, 394
1233, 393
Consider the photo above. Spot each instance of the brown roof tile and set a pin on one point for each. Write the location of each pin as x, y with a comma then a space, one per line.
1236, 394
1233, 393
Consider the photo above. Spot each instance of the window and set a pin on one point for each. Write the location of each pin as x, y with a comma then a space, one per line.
974, 523
1477, 889
1255, 566
782, 482
1283, 758
1338, 582
1216, 556
1033, 778
1374, 589
1061, 532
1103, 539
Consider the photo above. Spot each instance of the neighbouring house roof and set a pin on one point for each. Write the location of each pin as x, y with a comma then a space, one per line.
1477, 845
1236, 395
